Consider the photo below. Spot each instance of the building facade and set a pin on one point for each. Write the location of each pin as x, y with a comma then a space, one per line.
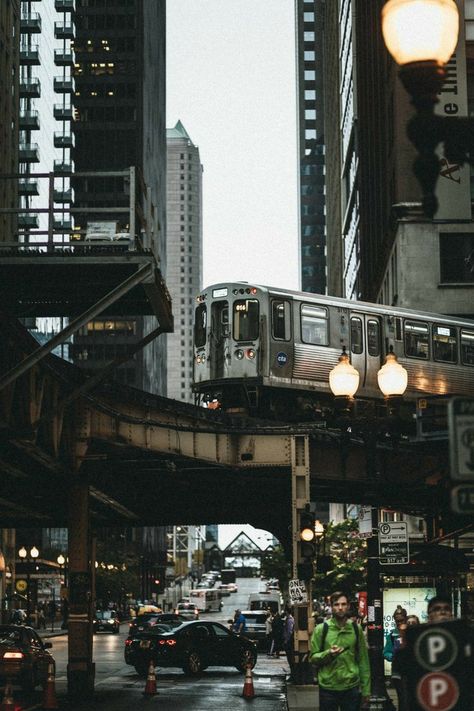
311, 144
184, 254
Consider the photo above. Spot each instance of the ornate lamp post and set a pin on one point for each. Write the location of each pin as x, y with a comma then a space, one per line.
421, 36
28, 559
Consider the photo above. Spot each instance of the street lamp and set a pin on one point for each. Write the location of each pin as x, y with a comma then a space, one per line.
23, 555
344, 381
421, 36
61, 561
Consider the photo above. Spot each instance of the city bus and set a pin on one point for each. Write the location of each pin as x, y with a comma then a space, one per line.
206, 600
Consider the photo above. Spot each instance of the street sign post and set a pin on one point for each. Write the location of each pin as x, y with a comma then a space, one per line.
393, 543
297, 592
439, 677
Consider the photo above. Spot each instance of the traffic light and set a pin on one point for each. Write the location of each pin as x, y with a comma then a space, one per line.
307, 545
158, 581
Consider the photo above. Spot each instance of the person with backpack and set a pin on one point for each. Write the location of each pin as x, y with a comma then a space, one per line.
339, 651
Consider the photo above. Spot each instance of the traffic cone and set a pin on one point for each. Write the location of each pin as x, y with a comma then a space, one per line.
150, 686
248, 692
7, 703
49, 698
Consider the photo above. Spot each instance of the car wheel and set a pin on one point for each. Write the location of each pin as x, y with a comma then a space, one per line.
247, 656
141, 670
193, 664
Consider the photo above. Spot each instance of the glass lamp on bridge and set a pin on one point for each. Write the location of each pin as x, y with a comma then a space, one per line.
28, 558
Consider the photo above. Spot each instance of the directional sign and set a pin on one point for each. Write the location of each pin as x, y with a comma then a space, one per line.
462, 499
393, 543
365, 522
461, 438
297, 592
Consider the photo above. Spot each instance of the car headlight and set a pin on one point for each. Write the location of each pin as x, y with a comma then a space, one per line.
239, 354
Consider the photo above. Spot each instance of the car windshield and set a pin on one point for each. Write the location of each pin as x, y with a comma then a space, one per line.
162, 628
105, 615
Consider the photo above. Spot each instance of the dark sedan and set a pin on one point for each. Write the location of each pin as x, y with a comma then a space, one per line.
24, 658
193, 646
106, 621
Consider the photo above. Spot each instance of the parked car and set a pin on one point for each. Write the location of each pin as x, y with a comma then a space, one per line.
24, 657
255, 620
225, 589
144, 622
106, 621
193, 646
187, 610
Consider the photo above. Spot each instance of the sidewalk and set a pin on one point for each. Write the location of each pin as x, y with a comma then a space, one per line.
303, 698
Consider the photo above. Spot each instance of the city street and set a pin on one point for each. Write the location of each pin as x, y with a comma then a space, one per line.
118, 687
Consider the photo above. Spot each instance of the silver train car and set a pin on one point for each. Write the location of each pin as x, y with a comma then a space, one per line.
270, 351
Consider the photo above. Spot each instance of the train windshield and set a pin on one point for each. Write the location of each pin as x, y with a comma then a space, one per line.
200, 324
246, 316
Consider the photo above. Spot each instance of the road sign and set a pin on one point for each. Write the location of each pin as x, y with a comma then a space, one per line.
462, 499
21, 585
393, 543
365, 522
461, 438
297, 592
437, 692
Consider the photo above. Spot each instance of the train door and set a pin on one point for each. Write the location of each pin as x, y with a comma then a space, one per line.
365, 345
219, 338
281, 342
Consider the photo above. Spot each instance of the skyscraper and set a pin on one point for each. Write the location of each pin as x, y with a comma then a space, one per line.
120, 123
184, 255
310, 74
9, 86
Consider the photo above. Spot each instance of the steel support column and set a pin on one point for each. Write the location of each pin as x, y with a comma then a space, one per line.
300, 497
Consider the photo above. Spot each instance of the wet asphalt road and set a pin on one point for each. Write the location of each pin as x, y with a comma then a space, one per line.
118, 687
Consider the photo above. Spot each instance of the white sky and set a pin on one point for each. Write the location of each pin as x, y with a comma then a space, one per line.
231, 81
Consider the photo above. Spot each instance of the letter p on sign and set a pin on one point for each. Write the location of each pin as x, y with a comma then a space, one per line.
437, 692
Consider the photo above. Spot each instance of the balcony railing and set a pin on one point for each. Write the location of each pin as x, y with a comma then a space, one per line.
29, 153
63, 140
62, 167
64, 30
63, 113
65, 5
28, 220
63, 196
29, 120
30, 88
28, 187
63, 86
62, 223
29, 56
63, 57
30, 23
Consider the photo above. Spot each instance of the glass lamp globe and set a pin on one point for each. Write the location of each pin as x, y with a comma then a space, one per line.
307, 535
22, 553
392, 377
34, 552
420, 30
318, 529
61, 559
344, 378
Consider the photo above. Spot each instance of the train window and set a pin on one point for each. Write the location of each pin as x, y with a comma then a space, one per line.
314, 325
246, 315
417, 339
281, 320
357, 338
467, 347
373, 338
200, 324
445, 343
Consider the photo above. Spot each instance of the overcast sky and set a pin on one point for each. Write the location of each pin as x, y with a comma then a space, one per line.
231, 81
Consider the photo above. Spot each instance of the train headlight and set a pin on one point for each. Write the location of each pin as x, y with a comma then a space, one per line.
251, 353
200, 358
239, 354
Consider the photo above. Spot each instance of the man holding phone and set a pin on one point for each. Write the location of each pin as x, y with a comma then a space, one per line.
339, 650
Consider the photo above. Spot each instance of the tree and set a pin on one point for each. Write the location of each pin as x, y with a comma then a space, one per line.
275, 564
349, 560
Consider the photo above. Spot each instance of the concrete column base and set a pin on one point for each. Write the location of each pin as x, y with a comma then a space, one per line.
80, 680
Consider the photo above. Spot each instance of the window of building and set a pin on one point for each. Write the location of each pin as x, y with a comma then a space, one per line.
417, 339
309, 75
309, 36
308, 16
281, 320
314, 325
456, 257
310, 133
310, 114
309, 56
310, 94
467, 347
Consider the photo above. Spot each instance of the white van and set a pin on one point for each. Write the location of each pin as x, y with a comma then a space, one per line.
266, 601
206, 600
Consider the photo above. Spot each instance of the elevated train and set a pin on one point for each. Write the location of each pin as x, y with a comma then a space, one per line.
269, 351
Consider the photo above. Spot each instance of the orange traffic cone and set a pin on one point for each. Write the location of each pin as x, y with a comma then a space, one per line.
248, 692
7, 703
150, 686
49, 698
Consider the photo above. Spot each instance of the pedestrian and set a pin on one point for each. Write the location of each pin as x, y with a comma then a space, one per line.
268, 633
391, 651
440, 609
240, 623
41, 617
288, 640
339, 651
277, 634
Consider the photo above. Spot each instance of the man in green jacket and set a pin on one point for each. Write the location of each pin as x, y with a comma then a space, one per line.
339, 650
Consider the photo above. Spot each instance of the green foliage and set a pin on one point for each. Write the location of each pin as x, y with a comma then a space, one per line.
276, 565
349, 559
